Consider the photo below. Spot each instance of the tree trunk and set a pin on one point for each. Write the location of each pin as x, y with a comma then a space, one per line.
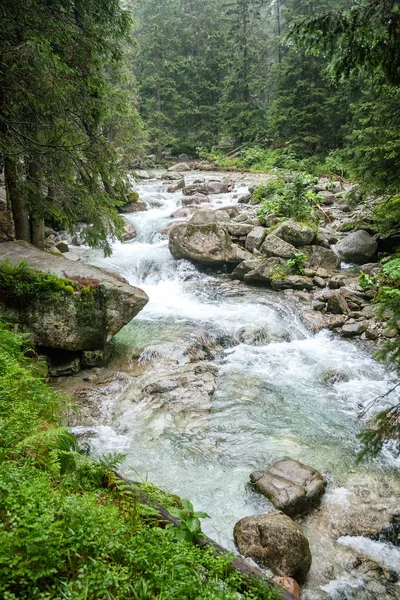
36, 218
37, 231
19, 212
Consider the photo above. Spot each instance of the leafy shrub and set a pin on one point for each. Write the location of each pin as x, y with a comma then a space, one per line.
386, 424
260, 160
265, 189
296, 200
297, 263
189, 527
387, 215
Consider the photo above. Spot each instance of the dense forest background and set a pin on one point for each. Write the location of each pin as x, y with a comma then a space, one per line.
227, 73
89, 88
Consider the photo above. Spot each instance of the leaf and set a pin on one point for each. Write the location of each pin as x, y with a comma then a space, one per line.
193, 524
201, 515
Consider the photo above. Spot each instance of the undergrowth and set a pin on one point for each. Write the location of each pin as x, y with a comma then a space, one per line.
294, 199
64, 534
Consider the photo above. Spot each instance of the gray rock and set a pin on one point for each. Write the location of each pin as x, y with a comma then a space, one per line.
203, 216
239, 229
275, 246
244, 199
142, 174
180, 167
132, 207
317, 256
72, 322
204, 243
255, 238
129, 230
328, 197
65, 369
172, 176
292, 282
247, 266
354, 329
174, 187
195, 199
358, 247
62, 246
295, 234
292, 487
315, 320
336, 303
220, 187
222, 216
96, 358
270, 269
184, 212
274, 541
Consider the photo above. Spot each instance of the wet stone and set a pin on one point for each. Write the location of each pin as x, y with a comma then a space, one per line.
292, 487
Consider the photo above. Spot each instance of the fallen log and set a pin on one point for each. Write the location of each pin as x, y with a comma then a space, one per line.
238, 563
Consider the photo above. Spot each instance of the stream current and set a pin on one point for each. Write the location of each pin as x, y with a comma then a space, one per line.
286, 392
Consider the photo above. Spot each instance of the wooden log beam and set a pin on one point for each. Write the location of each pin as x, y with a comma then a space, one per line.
238, 563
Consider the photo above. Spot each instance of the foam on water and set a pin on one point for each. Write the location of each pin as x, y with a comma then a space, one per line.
299, 395
384, 554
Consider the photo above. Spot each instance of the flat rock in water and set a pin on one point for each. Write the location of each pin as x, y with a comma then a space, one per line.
292, 487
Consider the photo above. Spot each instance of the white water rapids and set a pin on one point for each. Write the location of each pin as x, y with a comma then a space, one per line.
271, 399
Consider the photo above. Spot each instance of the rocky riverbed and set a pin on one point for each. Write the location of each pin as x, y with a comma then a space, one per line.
228, 369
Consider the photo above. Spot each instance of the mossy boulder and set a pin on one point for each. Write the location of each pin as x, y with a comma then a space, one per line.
84, 317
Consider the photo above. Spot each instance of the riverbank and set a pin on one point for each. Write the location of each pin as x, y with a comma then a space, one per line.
216, 378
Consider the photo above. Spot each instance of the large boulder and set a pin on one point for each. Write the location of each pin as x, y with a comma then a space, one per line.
275, 246
274, 541
295, 234
205, 241
317, 257
255, 238
292, 487
358, 247
83, 320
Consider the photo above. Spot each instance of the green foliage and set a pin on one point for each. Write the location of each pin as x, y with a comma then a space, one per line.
20, 285
365, 36
266, 189
63, 533
69, 129
385, 424
297, 263
189, 526
387, 215
296, 200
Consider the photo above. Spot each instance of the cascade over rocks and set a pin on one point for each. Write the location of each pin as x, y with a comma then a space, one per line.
292, 487
274, 541
71, 322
